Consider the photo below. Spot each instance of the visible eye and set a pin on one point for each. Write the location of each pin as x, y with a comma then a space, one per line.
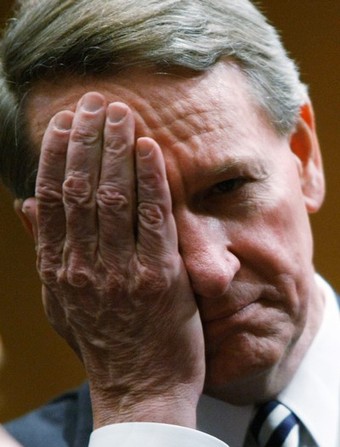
228, 186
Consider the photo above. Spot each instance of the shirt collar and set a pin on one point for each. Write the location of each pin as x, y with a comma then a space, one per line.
313, 394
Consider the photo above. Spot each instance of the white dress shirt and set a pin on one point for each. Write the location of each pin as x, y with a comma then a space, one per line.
313, 394
6, 440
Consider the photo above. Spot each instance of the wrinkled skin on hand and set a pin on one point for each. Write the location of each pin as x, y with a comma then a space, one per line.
114, 284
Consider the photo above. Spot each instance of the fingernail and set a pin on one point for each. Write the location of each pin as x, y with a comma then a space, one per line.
27, 205
117, 112
144, 147
26, 210
92, 102
63, 121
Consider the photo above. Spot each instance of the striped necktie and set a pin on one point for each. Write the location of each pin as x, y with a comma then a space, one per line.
274, 425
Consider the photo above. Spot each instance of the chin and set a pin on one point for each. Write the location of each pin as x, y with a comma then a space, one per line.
242, 379
248, 390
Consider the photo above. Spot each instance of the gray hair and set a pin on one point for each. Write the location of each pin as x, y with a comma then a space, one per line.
51, 37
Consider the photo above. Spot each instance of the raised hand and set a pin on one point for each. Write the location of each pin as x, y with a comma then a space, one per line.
114, 284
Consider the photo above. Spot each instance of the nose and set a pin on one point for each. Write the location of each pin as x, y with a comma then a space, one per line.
210, 264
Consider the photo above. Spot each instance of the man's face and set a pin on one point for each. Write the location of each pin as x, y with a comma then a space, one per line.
240, 211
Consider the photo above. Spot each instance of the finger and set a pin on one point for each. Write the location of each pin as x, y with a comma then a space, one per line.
29, 209
81, 180
116, 190
50, 216
157, 234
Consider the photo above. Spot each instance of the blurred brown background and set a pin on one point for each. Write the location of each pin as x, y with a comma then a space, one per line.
38, 364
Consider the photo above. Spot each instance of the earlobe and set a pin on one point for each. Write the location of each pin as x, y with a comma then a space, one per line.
26, 211
305, 146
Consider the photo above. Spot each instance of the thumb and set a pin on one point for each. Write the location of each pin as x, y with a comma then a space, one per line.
29, 216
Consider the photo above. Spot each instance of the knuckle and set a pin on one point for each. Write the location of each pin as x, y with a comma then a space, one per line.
78, 278
47, 266
48, 276
47, 194
77, 189
116, 145
150, 214
84, 135
109, 196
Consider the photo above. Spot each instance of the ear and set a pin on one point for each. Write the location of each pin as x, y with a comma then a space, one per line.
305, 146
26, 211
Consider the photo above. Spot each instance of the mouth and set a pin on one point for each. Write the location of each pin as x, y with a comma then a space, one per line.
223, 310
244, 318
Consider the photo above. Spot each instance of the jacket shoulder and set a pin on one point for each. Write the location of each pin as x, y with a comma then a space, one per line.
66, 421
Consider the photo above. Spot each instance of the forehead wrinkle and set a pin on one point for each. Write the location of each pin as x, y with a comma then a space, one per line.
184, 111
181, 121
197, 113
218, 154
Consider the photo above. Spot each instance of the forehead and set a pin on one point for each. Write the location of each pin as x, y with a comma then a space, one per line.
175, 106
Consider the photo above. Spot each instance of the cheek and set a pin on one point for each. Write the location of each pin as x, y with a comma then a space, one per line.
277, 238
275, 251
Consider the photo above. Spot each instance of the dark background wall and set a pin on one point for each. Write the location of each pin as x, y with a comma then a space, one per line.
38, 364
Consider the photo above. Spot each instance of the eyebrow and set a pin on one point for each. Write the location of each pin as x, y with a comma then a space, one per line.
248, 164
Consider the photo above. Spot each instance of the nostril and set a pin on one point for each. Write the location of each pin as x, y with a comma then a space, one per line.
210, 287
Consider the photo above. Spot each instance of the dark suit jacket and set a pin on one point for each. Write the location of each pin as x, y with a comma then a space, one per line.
64, 422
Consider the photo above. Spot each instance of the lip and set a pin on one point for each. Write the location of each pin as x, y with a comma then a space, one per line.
224, 325
226, 314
